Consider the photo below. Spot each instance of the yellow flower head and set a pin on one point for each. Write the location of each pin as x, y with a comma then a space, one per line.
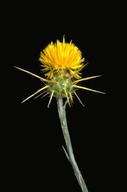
61, 56
62, 63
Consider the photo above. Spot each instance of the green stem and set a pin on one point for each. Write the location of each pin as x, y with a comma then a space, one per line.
69, 153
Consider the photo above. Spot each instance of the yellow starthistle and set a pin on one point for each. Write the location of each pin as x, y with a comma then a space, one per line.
61, 63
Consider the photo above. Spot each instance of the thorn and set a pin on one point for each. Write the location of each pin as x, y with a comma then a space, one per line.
43, 94
67, 97
88, 89
30, 73
65, 104
79, 99
50, 99
87, 78
66, 153
38, 91
71, 98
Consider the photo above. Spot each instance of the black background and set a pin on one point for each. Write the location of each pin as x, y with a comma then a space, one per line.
34, 159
